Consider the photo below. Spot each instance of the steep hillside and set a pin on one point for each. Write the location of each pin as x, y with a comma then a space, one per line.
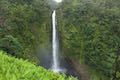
15, 69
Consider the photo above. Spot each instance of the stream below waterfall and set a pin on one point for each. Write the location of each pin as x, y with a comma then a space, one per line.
46, 62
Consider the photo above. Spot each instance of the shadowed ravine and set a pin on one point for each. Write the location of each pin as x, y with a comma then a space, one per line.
58, 63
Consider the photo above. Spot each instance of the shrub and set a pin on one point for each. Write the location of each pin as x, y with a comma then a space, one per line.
10, 45
15, 69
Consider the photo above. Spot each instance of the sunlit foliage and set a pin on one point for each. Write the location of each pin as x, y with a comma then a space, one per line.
15, 69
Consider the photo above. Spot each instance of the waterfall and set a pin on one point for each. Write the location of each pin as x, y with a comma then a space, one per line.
55, 44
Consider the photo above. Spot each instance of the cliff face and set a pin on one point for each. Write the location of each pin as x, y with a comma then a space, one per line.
89, 34
88, 29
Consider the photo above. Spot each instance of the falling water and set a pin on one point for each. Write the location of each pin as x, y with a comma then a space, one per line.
55, 45
55, 64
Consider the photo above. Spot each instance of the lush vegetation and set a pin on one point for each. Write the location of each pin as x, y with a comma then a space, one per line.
89, 32
23, 25
15, 69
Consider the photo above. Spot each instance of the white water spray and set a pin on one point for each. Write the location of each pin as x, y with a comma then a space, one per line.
55, 44
58, 1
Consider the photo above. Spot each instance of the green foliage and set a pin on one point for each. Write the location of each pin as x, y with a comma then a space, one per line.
28, 21
10, 45
90, 32
15, 69
118, 74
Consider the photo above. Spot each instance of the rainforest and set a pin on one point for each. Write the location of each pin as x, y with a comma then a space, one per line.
59, 39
